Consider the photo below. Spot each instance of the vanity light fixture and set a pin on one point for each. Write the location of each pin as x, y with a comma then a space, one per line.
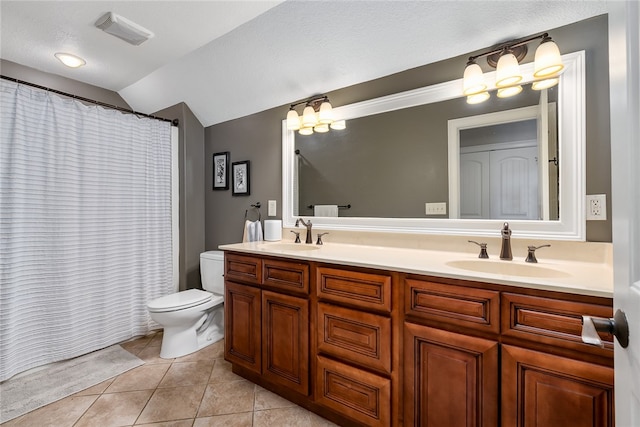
506, 58
317, 116
70, 60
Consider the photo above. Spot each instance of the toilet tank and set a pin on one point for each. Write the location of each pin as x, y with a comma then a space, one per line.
212, 271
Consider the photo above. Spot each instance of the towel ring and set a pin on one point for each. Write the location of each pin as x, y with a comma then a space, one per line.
254, 208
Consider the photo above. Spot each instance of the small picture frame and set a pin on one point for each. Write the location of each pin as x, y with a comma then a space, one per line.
241, 178
221, 171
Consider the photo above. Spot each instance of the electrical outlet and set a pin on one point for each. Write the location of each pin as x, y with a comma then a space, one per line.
435, 208
597, 207
271, 211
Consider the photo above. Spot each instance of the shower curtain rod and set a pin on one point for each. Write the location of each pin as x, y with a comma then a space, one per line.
91, 101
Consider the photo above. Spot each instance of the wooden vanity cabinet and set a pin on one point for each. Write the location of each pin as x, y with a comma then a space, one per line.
354, 346
266, 331
367, 347
450, 378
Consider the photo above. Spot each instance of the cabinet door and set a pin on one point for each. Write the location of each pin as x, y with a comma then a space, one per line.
449, 379
285, 341
242, 325
540, 389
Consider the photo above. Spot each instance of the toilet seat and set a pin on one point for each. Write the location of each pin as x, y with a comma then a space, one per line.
182, 300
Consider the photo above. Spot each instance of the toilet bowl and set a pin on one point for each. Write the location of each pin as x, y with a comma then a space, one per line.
193, 319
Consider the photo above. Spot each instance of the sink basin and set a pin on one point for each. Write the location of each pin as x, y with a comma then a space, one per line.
507, 268
291, 247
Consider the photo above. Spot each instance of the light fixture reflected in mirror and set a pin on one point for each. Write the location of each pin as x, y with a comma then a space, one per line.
317, 116
506, 58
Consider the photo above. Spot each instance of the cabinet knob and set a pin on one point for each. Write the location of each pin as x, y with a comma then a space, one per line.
617, 325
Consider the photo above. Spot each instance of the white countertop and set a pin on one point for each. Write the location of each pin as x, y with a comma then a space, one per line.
584, 278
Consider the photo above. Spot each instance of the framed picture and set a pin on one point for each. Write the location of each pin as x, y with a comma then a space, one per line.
241, 180
221, 171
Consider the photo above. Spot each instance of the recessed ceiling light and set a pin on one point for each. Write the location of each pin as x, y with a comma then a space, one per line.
70, 60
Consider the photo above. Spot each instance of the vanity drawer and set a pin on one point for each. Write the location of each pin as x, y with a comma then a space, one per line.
358, 289
357, 394
286, 275
471, 308
243, 268
361, 338
550, 321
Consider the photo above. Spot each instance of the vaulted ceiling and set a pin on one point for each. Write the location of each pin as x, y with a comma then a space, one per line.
228, 59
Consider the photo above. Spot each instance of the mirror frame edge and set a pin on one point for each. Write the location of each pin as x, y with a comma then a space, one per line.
572, 136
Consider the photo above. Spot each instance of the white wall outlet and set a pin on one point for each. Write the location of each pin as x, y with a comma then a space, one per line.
435, 208
271, 211
597, 207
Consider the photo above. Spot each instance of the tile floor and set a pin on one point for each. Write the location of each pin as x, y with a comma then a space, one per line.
197, 390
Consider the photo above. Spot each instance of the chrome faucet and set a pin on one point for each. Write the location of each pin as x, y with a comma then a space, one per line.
307, 224
505, 252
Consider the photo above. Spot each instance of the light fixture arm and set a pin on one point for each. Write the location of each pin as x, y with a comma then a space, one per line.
509, 46
313, 101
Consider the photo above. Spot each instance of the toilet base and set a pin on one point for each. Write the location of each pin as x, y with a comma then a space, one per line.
178, 342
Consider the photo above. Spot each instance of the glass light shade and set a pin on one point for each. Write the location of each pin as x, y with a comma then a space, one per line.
545, 84
309, 118
321, 128
305, 131
507, 71
473, 80
293, 120
339, 125
547, 61
477, 98
325, 114
70, 60
509, 91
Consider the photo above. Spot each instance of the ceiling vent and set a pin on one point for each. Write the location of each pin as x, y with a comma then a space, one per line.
124, 29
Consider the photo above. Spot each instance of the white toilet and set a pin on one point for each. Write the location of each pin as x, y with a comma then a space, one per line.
193, 319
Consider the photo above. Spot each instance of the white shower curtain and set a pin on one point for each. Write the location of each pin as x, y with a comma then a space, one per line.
85, 226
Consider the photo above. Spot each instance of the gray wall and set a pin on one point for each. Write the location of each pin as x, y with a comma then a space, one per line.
258, 137
192, 189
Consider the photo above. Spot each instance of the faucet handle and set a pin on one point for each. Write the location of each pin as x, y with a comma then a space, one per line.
483, 249
297, 233
319, 242
531, 254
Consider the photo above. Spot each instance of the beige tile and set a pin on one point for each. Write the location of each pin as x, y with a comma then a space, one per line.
96, 389
209, 353
227, 398
63, 413
282, 417
318, 421
179, 423
268, 400
187, 373
232, 420
156, 341
143, 377
115, 409
151, 354
169, 404
222, 373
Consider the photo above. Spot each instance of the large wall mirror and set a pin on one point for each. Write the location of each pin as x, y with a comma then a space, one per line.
404, 154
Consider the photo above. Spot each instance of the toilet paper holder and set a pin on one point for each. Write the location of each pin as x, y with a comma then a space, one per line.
617, 326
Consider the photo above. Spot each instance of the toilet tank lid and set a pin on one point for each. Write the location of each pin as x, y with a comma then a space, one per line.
218, 255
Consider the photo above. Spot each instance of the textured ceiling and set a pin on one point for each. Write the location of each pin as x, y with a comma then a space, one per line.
228, 59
